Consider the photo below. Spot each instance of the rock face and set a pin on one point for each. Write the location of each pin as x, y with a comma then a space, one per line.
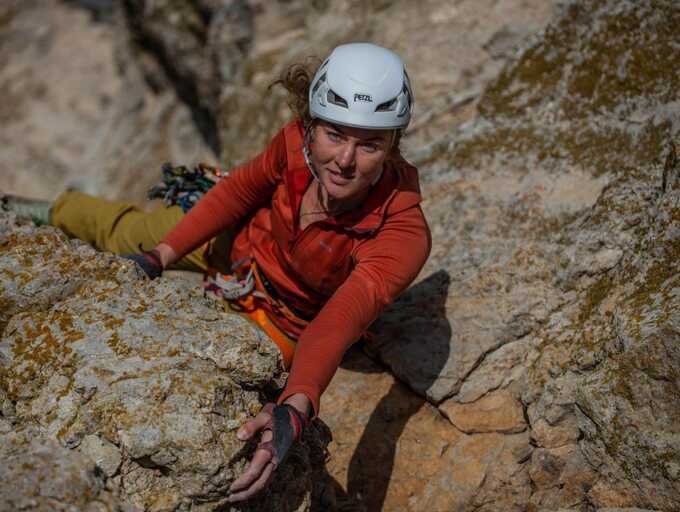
81, 118
541, 339
501, 192
553, 283
147, 380
188, 80
555, 215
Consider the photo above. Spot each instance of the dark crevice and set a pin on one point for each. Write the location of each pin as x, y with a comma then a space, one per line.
582, 411
184, 87
671, 166
148, 463
526, 458
525, 413
204, 12
587, 505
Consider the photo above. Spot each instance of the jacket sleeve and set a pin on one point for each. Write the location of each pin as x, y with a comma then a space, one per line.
230, 201
385, 266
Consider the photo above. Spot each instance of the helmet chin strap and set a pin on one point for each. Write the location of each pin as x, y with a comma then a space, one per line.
306, 153
377, 178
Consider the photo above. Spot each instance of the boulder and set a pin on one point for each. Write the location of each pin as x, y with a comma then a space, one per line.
147, 380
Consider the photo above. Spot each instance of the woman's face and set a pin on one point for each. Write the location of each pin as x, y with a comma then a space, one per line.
348, 160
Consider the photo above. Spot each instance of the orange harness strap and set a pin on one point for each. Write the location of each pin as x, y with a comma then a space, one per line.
247, 307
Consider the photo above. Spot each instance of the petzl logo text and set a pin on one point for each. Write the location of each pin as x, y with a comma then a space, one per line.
362, 97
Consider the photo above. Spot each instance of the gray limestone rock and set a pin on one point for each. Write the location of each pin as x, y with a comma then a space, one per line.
610, 510
194, 47
104, 453
503, 206
148, 379
41, 268
78, 111
41, 475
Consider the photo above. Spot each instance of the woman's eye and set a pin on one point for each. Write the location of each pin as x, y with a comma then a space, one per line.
370, 148
335, 137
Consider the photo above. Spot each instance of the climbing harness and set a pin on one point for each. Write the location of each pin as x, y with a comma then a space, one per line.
234, 286
246, 281
183, 186
248, 292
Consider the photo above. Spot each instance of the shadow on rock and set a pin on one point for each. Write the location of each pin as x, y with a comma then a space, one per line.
419, 312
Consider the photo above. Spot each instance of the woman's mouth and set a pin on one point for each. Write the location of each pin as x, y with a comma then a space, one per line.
338, 178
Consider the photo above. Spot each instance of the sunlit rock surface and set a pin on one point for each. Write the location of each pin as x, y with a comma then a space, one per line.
188, 80
147, 380
77, 110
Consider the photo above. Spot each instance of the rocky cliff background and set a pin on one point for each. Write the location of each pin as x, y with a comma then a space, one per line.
535, 363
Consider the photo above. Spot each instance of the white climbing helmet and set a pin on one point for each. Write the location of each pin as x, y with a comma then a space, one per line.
364, 86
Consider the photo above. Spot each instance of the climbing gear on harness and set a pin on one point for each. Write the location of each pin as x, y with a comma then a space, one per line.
287, 425
37, 210
233, 286
293, 314
362, 85
183, 186
247, 291
248, 279
148, 261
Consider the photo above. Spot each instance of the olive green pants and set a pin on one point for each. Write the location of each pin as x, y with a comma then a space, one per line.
120, 227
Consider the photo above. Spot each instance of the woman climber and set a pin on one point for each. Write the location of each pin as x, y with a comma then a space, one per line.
324, 229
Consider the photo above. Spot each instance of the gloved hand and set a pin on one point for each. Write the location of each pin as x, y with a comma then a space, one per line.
281, 426
149, 261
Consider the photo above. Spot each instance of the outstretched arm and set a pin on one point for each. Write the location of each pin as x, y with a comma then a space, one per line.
385, 266
384, 269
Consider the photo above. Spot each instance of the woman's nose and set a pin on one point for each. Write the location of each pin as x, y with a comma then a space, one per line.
346, 155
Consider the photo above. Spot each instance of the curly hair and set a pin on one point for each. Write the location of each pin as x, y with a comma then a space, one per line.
296, 79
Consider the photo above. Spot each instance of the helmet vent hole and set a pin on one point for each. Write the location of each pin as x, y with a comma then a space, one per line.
318, 83
388, 106
336, 100
407, 104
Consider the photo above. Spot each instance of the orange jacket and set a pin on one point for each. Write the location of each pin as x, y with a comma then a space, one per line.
341, 271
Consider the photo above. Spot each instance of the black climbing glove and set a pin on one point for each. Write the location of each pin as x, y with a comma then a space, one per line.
149, 261
287, 425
